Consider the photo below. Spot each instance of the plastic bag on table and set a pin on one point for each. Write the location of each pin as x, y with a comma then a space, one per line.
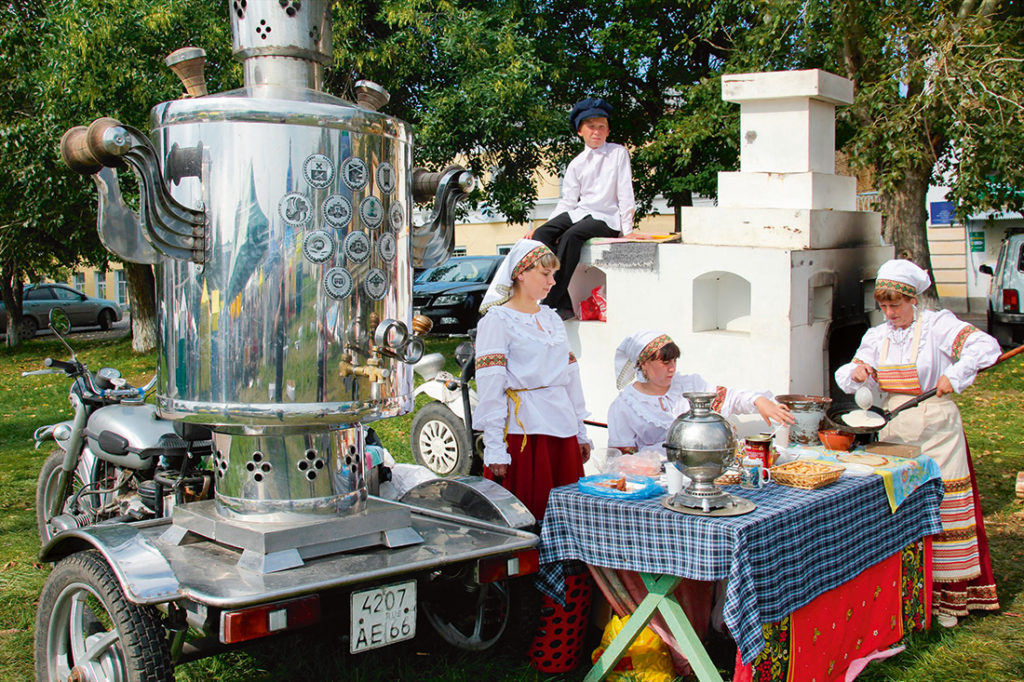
647, 658
593, 307
644, 463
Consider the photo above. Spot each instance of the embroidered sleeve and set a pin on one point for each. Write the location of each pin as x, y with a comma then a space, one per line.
491, 360
961, 339
491, 413
719, 400
967, 348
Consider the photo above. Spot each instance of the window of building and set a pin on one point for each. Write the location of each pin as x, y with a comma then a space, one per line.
459, 251
101, 284
78, 282
503, 249
122, 287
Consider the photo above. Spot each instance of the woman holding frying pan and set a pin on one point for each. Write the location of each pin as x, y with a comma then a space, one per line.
914, 351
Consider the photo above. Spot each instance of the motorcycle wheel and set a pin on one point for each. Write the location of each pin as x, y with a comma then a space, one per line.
46, 490
440, 441
87, 629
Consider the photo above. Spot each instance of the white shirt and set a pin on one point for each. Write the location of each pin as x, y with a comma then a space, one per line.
517, 350
639, 420
599, 183
943, 336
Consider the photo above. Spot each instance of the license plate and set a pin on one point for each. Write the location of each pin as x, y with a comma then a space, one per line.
383, 616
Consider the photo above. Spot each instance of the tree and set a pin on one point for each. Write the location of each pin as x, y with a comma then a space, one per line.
39, 208
938, 96
493, 82
64, 64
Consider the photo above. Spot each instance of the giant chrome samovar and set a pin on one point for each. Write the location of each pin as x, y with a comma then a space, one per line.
279, 222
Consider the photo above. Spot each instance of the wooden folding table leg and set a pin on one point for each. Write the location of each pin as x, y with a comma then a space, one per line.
681, 628
659, 598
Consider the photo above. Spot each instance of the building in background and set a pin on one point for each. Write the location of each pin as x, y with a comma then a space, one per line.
110, 284
958, 250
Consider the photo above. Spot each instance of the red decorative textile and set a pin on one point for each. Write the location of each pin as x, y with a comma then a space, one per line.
869, 612
546, 462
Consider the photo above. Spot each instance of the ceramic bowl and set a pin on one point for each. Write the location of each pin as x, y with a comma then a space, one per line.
836, 440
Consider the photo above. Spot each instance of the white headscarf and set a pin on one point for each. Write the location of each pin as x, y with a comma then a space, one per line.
523, 254
634, 349
902, 276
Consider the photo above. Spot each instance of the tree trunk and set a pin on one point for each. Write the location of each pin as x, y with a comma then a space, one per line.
142, 294
905, 221
11, 290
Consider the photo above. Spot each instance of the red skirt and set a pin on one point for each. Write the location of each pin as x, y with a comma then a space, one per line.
546, 462
978, 594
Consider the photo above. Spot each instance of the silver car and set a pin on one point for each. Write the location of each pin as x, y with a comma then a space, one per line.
1005, 316
82, 310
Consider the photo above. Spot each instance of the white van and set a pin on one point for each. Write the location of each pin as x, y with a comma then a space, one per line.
1005, 317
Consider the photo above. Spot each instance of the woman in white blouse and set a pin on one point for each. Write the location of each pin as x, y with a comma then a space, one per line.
651, 394
531, 407
912, 352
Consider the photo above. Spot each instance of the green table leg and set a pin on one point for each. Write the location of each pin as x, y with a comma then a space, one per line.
659, 599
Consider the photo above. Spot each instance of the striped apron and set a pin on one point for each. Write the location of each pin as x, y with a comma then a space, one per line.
936, 427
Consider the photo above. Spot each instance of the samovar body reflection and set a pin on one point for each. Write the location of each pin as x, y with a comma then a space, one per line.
279, 222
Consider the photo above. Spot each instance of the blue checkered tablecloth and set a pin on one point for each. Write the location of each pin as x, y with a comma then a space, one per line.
796, 545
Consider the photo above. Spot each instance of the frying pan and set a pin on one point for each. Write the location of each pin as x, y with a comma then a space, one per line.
835, 414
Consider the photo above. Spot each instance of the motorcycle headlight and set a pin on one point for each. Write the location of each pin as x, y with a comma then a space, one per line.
450, 299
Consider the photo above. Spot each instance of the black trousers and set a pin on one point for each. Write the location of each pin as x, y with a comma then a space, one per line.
566, 239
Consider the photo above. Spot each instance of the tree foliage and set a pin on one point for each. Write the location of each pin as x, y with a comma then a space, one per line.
937, 96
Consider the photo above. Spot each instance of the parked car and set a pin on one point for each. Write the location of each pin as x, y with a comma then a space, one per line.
1005, 317
82, 310
450, 294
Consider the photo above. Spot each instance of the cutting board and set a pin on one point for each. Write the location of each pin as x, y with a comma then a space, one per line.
893, 449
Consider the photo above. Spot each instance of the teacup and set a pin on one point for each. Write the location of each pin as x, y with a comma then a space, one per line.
754, 475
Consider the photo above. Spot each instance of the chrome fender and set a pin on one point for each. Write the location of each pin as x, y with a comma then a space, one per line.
142, 571
472, 496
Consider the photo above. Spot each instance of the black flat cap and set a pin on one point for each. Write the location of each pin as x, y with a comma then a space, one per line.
591, 107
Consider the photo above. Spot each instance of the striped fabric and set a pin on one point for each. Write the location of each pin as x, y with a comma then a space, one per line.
956, 554
899, 379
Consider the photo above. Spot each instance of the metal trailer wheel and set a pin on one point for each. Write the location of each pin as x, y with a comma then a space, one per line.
87, 630
440, 441
475, 617
467, 616
46, 489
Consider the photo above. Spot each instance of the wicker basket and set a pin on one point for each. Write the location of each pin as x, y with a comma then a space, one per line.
807, 475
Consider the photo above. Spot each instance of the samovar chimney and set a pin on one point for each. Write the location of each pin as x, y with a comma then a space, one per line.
282, 43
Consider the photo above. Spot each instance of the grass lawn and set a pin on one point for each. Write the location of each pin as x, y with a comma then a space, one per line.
987, 648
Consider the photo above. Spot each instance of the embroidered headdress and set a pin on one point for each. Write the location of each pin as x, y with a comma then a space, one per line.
902, 276
523, 255
635, 350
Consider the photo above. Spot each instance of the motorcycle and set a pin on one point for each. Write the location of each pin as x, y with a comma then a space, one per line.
442, 435
115, 460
